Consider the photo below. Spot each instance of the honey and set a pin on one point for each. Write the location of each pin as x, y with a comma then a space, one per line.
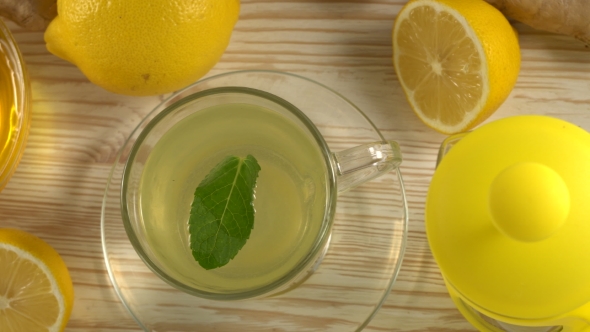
14, 105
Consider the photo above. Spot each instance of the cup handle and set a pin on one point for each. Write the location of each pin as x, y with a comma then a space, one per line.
362, 163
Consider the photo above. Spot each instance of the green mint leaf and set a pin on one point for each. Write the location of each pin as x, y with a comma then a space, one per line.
222, 213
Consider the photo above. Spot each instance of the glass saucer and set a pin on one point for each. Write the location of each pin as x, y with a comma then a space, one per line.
358, 269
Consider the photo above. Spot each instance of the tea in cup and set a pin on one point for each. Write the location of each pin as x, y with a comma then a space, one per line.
295, 193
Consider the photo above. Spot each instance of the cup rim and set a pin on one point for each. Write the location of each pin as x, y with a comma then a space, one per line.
331, 193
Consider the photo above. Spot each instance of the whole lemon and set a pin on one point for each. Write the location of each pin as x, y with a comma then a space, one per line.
139, 47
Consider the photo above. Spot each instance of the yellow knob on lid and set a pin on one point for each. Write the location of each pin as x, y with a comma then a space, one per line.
508, 217
528, 201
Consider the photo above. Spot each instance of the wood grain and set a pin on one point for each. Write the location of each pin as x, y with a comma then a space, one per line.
77, 129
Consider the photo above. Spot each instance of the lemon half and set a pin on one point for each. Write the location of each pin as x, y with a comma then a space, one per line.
456, 60
36, 292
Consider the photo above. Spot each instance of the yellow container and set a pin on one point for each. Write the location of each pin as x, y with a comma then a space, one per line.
15, 105
508, 222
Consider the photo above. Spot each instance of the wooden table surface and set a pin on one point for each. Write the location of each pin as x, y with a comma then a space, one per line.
78, 127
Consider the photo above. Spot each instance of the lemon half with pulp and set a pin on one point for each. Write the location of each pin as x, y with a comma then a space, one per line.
456, 60
36, 292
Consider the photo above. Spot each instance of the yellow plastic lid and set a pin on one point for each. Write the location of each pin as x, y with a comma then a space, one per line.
508, 217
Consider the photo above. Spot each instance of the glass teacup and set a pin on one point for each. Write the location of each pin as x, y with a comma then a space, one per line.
295, 193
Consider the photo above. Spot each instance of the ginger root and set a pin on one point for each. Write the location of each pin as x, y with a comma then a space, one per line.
31, 14
568, 17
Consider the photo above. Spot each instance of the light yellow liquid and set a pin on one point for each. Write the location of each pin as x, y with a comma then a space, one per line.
290, 194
